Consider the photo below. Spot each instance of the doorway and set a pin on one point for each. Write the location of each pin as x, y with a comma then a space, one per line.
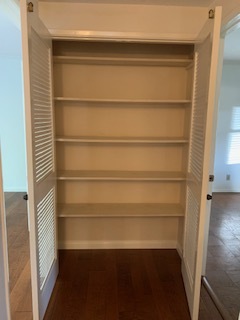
12, 132
223, 260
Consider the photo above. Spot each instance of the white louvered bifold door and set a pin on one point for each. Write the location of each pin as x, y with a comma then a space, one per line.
37, 66
204, 88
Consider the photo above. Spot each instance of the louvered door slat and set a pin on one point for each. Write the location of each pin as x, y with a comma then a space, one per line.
43, 153
43, 121
196, 154
45, 219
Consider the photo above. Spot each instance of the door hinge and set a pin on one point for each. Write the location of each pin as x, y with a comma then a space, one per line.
30, 7
211, 14
211, 177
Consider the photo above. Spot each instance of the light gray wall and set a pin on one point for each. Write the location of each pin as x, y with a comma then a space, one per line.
12, 124
228, 128
12, 137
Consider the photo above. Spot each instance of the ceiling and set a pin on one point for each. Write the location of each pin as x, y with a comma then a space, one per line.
190, 3
10, 37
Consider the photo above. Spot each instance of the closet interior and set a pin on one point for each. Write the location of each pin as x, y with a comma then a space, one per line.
122, 123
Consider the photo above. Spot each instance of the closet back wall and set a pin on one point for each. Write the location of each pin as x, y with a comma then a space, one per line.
122, 130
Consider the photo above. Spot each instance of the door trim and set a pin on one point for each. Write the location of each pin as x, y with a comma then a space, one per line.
4, 248
229, 26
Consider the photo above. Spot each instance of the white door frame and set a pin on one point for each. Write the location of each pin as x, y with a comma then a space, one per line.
12, 10
4, 269
228, 26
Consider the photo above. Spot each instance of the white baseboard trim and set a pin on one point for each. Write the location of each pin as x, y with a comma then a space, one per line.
227, 190
179, 250
117, 244
14, 189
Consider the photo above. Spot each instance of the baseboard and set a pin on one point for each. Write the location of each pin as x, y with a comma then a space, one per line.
179, 250
227, 190
14, 189
118, 245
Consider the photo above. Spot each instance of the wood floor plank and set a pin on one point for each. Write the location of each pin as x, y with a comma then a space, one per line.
96, 296
111, 286
20, 296
164, 305
22, 316
145, 306
126, 303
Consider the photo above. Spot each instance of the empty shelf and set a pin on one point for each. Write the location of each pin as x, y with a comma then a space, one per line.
122, 140
122, 61
120, 210
123, 101
79, 175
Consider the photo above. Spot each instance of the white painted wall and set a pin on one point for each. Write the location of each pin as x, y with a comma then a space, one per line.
229, 98
112, 20
11, 10
12, 134
12, 124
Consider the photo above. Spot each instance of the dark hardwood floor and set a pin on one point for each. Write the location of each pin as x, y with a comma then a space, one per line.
19, 256
122, 285
223, 262
119, 284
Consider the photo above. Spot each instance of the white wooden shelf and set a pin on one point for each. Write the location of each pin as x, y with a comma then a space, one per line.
123, 101
80, 175
128, 61
120, 210
121, 140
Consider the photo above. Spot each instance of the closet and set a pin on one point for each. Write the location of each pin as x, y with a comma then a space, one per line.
127, 118
122, 123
